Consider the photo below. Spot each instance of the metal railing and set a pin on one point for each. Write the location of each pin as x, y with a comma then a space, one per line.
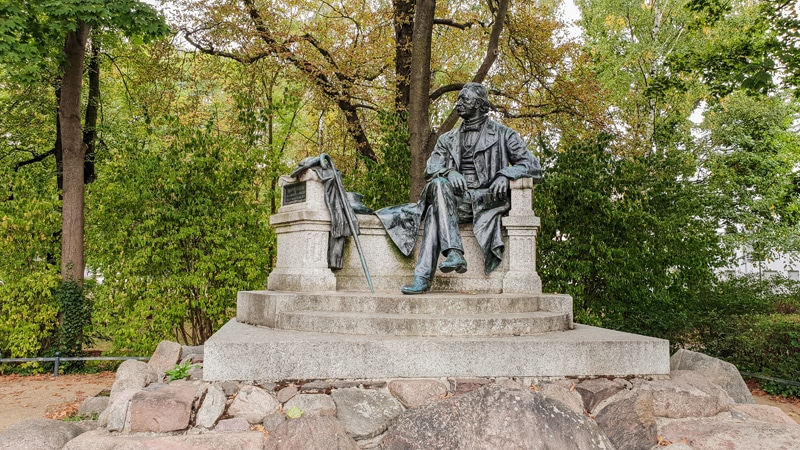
56, 360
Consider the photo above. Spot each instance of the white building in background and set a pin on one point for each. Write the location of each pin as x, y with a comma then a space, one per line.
786, 265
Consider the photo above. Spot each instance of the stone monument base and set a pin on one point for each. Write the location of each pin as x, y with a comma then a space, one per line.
247, 352
345, 335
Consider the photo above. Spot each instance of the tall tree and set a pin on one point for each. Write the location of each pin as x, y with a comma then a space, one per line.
35, 31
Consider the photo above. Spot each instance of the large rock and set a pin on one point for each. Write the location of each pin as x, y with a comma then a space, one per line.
253, 403
93, 405
212, 408
719, 372
765, 413
563, 392
38, 434
416, 393
497, 418
165, 357
99, 440
310, 433
115, 417
312, 405
685, 394
596, 390
132, 374
365, 413
715, 434
628, 421
163, 410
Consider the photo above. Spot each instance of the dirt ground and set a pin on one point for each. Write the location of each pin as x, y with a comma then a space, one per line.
36, 396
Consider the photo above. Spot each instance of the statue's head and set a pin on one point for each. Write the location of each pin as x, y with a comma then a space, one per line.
473, 101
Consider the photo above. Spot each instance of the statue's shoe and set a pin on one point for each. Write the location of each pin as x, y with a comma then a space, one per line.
419, 286
455, 261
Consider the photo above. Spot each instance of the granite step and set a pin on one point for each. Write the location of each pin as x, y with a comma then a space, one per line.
264, 307
388, 324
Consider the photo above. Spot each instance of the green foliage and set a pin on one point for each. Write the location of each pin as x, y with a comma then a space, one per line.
177, 228
626, 236
180, 371
385, 182
75, 313
294, 412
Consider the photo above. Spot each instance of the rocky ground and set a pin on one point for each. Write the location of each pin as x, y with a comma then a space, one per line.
685, 412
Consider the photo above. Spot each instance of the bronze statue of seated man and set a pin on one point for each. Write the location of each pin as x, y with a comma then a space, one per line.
467, 178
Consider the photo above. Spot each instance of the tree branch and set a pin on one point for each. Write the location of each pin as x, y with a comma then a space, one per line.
454, 24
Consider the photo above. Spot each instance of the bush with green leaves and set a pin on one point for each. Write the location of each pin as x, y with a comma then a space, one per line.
176, 227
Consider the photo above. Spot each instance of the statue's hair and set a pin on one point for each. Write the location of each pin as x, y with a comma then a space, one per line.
483, 95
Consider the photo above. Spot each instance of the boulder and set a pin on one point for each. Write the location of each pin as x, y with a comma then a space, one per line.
494, 417
132, 374
115, 417
272, 421
310, 433
596, 390
765, 413
232, 425
253, 403
38, 434
212, 407
415, 393
365, 413
629, 421
714, 434
312, 405
165, 357
563, 393
164, 410
285, 394
93, 405
719, 372
249, 440
467, 385
685, 394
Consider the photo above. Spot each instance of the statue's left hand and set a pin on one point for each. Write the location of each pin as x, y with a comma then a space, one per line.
499, 187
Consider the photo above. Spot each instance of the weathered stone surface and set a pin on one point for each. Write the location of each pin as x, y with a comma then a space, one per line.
285, 394
187, 350
273, 420
195, 373
312, 405
315, 387
564, 394
232, 425
115, 417
165, 357
93, 405
250, 440
415, 393
596, 390
229, 387
719, 372
310, 433
497, 418
713, 434
628, 421
132, 374
764, 413
685, 394
212, 407
365, 413
466, 385
164, 410
38, 434
253, 403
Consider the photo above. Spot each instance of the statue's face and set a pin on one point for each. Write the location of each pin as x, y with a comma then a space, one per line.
468, 105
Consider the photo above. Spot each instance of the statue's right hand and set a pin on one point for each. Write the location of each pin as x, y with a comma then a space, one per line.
457, 182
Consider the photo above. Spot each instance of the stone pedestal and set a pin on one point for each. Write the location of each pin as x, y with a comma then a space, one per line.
302, 225
522, 225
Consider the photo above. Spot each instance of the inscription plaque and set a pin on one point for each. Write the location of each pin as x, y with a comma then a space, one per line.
294, 193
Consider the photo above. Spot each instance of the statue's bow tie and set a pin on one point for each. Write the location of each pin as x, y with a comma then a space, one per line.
476, 127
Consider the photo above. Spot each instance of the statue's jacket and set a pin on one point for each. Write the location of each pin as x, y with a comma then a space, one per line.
499, 150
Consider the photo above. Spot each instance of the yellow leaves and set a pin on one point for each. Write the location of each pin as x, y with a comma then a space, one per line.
614, 23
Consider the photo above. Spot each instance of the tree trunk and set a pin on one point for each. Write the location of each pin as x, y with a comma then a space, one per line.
419, 128
74, 152
403, 36
92, 108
